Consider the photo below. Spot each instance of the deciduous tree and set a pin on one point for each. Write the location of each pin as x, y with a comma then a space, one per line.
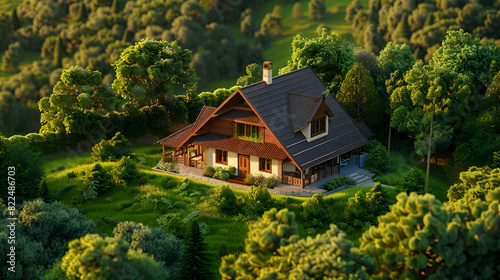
147, 71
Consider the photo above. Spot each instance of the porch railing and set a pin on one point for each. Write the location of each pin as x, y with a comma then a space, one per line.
294, 181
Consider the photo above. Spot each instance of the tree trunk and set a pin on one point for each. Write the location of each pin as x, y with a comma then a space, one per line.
389, 138
429, 145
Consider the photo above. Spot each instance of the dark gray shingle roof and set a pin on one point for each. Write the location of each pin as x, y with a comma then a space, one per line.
271, 102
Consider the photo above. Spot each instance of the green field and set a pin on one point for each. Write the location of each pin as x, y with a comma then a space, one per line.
438, 183
9, 5
280, 51
27, 58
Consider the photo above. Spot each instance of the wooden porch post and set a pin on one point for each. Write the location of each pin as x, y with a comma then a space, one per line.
303, 179
164, 156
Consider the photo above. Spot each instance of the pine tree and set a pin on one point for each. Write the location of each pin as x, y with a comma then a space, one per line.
15, 20
359, 96
402, 33
194, 262
43, 192
58, 53
297, 11
114, 7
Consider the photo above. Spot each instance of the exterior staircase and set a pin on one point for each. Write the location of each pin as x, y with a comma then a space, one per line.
360, 178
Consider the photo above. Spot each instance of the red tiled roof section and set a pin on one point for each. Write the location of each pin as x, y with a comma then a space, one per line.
177, 138
242, 116
265, 150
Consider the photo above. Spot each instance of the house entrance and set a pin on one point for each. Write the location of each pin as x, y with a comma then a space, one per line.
243, 165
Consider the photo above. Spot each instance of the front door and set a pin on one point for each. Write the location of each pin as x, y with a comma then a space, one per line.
243, 165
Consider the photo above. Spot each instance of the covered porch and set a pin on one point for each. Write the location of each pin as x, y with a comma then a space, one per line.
189, 155
343, 164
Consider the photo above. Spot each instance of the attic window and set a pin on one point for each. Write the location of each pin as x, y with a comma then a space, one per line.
318, 126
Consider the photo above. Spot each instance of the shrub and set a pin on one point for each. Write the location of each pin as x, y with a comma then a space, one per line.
154, 241
100, 176
225, 201
377, 160
271, 182
338, 182
90, 193
167, 166
209, 171
258, 201
222, 174
255, 180
112, 150
71, 175
173, 224
124, 172
316, 208
413, 181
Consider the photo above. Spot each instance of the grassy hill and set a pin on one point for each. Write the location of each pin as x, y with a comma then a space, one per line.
280, 51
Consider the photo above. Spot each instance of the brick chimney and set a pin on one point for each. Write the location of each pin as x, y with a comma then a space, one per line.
267, 72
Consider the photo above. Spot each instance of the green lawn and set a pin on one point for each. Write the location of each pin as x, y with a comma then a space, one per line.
27, 59
120, 204
9, 5
281, 50
438, 183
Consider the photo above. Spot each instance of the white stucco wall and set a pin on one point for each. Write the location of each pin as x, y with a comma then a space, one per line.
254, 167
232, 160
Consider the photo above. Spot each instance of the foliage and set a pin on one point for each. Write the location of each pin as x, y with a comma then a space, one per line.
90, 192
214, 99
94, 257
254, 75
194, 261
124, 172
421, 236
42, 232
359, 96
99, 177
297, 11
28, 172
11, 58
421, 24
317, 9
316, 208
149, 69
258, 200
225, 201
111, 150
173, 224
260, 180
362, 211
329, 55
273, 251
153, 241
413, 181
78, 99
221, 174
474, 184
209, 171
338, 182
167, 166
377, 160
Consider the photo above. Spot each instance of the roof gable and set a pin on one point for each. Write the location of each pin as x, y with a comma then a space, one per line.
303, 109
271, 103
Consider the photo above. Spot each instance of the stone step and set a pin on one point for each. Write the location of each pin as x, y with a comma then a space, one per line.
362, 181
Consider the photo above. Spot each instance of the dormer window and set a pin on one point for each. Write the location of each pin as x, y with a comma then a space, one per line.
318, 126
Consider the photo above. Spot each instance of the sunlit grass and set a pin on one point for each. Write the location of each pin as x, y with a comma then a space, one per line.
402, 163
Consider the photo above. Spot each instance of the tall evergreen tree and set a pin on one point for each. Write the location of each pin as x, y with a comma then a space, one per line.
359, 96
15, 20
58, 53
195, 263
297, 11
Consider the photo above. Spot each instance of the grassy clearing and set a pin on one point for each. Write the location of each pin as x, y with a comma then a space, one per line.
9, 5
402, 163
226, 235
280, 51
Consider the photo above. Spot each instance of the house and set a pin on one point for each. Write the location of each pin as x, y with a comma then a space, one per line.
285, 126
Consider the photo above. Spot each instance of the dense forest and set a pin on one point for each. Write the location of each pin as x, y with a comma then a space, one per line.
109, 77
